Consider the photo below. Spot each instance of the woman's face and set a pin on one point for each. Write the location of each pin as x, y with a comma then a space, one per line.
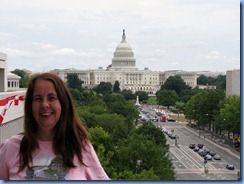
46, 106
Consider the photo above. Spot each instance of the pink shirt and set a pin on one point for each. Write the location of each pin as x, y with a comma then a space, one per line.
46, 165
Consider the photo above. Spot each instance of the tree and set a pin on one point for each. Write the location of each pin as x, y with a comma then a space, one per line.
128, 94
186, 94
24, 77
202, 80
167, 97
175, 83
117, 104
76, 94
219, 82
230, 112
143, 96
101, 141
114, 124
204, 106
73, 81
103, 88
145, 153
90, 98
116, 87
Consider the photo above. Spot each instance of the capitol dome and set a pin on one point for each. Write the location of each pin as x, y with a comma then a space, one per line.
123, 55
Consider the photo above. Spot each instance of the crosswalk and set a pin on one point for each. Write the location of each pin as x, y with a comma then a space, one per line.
192, 160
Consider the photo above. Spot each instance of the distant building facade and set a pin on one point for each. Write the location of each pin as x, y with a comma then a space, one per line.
233, 82
123, 69
13, 81
3, 72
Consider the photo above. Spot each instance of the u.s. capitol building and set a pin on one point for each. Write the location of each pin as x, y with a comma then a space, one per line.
123, 69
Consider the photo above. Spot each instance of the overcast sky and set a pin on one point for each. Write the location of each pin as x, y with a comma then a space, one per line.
190, 35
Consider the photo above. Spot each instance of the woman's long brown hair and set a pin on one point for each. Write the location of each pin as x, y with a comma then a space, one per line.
70, 133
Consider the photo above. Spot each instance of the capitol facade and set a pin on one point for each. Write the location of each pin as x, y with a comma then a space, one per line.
123, 69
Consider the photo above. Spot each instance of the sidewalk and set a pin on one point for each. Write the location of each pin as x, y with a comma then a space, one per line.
221, 145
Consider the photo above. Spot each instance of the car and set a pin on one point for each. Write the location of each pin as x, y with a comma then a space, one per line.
212, 153
191, 124
171, 119
230, 167
172, 135
202, 152
204, 148
164, 129
217, 157
200, 146
208, 157
192, 146
159, 113
196, 149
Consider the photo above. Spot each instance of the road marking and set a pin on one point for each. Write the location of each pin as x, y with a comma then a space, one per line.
215, 171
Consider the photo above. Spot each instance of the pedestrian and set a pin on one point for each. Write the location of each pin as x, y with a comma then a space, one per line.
55, 143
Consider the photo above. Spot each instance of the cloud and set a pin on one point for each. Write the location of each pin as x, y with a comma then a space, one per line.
34, 28
15, 52
65, 52
214, 55
93, 53
6, 36
161, 33
45, 46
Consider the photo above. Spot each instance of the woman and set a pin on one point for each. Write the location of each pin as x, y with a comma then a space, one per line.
54, 144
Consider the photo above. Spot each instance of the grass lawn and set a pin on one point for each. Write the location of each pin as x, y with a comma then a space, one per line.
180, 118
152, 100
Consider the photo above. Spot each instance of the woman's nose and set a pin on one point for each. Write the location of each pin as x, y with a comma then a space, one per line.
45, 103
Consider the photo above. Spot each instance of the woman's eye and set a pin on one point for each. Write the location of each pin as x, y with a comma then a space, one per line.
37, 99
52, 98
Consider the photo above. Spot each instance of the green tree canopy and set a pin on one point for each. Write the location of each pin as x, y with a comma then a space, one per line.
116, 87
146, 153
167, 97
143, 96
203, 106
230, 112
24, 77
128, 94
103, 88
219, 82
73, 81
175, 83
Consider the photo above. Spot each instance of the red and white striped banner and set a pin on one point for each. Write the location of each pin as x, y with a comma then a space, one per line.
7, 102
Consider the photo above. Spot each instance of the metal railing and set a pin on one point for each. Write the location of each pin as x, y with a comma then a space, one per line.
11, 128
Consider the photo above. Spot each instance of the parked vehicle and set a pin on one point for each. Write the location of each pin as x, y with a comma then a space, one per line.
200, 146
217, 157
171, 119
172, 135
191, 124
212, 153
196, 149
208, 157
230, 167
204, 148
192, 146
202, 152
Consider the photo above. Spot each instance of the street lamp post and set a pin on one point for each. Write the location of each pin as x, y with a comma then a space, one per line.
177, 141
178, 117
205, 162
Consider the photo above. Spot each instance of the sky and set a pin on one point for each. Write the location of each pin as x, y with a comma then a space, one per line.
188, 35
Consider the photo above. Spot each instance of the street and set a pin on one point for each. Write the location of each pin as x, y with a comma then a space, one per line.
189, 165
